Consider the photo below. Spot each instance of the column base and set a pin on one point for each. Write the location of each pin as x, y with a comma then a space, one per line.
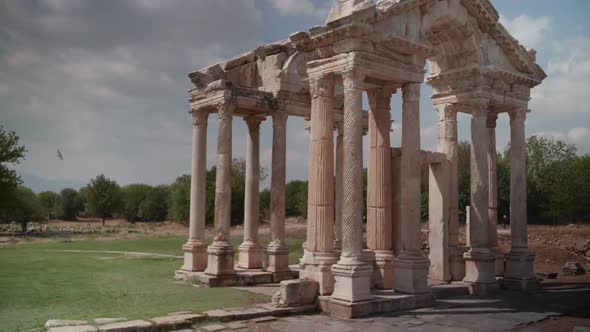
317, 266
220, 259
480, 271
352, 280
277, 258
457, 262
195, 256
383, 269
250, 256
410, 273
520, 273
499, 265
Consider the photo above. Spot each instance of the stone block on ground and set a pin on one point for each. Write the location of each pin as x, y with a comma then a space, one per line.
129, 326
63, 322
573, 268
212, 328
298, 293
176, 321
219, 314
73, 328
264, 319
108, 320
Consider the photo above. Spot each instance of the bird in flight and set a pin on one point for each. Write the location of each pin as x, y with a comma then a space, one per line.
59, 155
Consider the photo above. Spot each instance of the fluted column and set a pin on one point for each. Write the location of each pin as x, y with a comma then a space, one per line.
320, 216
220, 259
278, 251
479, 260
339, 181
493, 195
519, 262
352, 275
411, 266
250, 253
195, 249
379, 200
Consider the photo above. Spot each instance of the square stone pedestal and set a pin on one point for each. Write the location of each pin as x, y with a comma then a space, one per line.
382, 301
499, 264
410, 273
195, 256
220, 259
317, 266
520, 274
383, 270
352, 282
250, 256
277, 262
480, 273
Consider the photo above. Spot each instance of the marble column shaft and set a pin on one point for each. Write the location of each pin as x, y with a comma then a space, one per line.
320, 227
195, 257
479, 180
220, 252
493, 187
411, 266
277, 250
352, 275
339, 186
250, 256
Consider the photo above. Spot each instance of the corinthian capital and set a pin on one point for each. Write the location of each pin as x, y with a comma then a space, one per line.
322, 86
225, 110
410, 92
518, 115
253, 122
279, 119
352, 79
200, 118
447, 112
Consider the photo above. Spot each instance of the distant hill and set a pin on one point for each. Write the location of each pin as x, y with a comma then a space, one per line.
39, 184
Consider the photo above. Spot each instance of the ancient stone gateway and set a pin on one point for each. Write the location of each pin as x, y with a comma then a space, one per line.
475, 67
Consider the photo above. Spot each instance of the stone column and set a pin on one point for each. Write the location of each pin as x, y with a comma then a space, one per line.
277, 250
320, 216
352, 275
195, 249
250, 253
438, 217
411, 266
479, 260
339, 182
379, 198
493, 195
519, 262
448, 144
220, 260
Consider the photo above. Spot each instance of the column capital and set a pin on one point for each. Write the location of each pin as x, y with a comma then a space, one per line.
380, 98
492, 119
279, 118
410, 92
322, 86
352, 79
225, 110
518, 115
200, 118
447, 112
254, 122
479, 108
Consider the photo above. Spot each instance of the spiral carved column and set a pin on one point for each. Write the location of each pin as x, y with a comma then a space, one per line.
352, 275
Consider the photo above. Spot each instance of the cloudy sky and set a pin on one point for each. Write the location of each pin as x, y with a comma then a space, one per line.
105, 81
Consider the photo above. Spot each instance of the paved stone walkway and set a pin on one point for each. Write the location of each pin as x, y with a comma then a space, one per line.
506, 311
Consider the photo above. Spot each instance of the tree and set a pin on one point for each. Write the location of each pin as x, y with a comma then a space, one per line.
50, 203
296, 198
23, 207
180, 193
155, 205
104, 197
71, 204
10, 154
133, 197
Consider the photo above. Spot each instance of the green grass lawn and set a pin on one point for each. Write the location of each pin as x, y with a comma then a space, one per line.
37, 283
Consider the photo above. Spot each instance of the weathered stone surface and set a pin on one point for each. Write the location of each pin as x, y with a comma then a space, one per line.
573, 268
176, 321
212, 328
219, 314
63, 322
108, 320
298, 292
76, 328
264, 319
129, 326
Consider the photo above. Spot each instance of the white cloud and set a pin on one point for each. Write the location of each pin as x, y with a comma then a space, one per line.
565, 90
577, 136
293, 7
529, 31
